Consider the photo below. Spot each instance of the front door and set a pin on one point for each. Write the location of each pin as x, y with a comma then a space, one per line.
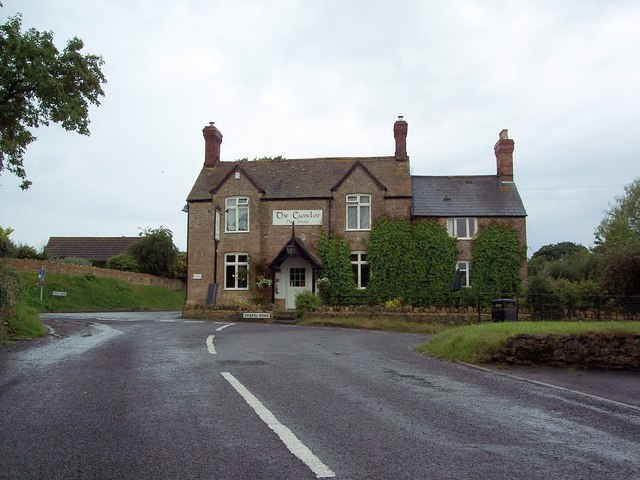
297, 282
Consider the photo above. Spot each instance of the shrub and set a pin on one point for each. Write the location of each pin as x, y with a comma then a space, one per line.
306, 302
542, 300
123, 262
27, 251
9, 296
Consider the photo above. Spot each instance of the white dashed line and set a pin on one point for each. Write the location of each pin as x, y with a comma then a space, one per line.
210, 346
287, 437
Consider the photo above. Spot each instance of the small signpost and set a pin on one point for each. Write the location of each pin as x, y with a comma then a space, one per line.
256, 315
41, 273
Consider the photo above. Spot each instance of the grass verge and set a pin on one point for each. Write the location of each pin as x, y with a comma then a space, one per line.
90, 293
477, 343
372, 323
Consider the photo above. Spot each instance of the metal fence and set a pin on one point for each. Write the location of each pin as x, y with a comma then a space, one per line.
548, 306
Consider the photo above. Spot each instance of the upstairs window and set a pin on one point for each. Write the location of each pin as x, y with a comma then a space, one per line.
236, 271
237, 214
360, 268
463, 228
358, 212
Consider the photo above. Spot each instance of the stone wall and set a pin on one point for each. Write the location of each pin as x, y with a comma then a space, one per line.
617, 351
26, 265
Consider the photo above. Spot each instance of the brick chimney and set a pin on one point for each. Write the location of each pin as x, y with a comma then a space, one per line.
504, 156
400, 134
212, 141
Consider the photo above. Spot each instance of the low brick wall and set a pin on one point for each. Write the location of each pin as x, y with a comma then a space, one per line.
25, 265
596, 350
226, 312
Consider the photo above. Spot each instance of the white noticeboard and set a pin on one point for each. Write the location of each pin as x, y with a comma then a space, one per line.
300, 217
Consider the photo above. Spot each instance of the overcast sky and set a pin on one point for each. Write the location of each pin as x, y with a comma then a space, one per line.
313, 78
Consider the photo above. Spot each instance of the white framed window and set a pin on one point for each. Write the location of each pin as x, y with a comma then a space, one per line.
463, 228
236, 214
464, 270
360, 268
236, 271
358, 212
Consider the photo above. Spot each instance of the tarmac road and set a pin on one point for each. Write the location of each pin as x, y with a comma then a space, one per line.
148, 395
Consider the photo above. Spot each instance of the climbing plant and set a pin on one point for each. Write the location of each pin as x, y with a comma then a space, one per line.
393, 266
436, 255
498, 256
336, 268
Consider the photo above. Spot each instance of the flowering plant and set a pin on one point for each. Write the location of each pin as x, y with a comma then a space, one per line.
264, 282
323, 283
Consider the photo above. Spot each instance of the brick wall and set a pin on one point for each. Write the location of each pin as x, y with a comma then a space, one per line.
25, 265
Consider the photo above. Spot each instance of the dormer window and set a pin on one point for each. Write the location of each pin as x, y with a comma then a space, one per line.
237, 214
358, 212
462, 228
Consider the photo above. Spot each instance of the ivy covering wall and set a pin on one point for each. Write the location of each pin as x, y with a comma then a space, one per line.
336, 267
412, 261
498, 256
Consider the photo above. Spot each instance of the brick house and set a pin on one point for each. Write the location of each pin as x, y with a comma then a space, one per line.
266, 216
464, 204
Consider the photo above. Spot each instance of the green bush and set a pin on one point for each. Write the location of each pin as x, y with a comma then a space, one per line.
123, 262
9, 295
542, 300
27, 251
306, 302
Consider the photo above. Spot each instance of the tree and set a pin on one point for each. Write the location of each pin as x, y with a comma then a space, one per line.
561, 260
620, 228
7, 247
39, 85
617, 244
155, 252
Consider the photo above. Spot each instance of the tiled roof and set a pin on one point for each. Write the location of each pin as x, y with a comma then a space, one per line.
88, 248
463, 196
304, 178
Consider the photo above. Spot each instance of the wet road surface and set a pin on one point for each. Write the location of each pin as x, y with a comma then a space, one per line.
148, 395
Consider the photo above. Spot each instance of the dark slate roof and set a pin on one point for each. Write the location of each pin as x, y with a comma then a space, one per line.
88, 248
463, 196
304, 178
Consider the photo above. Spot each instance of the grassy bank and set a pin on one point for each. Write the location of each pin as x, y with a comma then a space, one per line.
477, 343
83, 294
89, 293
372, 323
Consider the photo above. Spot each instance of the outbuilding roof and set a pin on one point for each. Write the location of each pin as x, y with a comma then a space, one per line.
463, 196
304, 178
88, 248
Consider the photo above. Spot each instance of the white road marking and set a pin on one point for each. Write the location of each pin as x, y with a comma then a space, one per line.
287, 437
549, 385
224, 326
166, 321
210, 346
194, 321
